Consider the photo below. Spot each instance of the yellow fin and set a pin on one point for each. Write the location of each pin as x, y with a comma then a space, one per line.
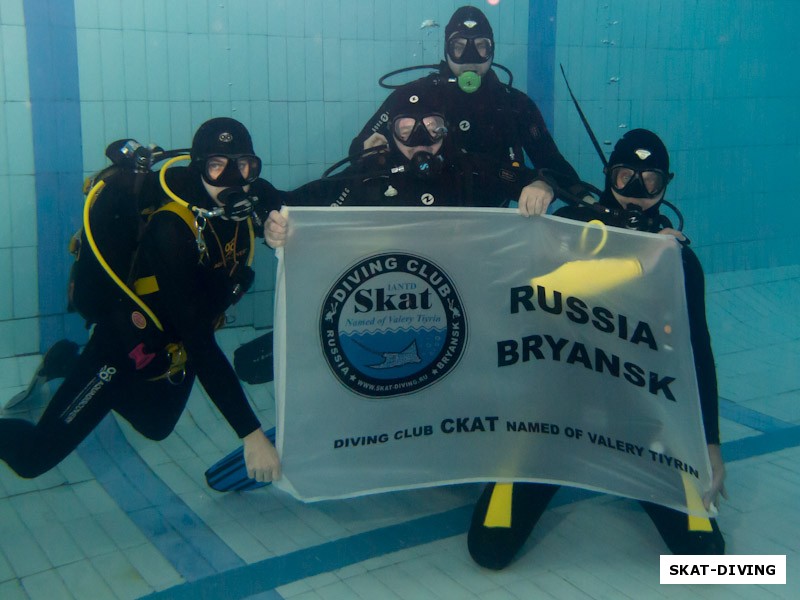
498, 513
695, 503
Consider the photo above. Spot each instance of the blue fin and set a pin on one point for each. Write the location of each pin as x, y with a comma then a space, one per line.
229, 474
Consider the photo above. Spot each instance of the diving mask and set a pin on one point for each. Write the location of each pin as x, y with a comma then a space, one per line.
636, 183
470, 51
230, 171
413, 132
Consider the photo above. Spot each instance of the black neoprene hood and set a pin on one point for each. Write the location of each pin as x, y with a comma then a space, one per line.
468, 22
221, 136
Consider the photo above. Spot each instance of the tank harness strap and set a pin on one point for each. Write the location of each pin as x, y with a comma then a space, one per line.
149, 284
145, 285
251, 232
183, 212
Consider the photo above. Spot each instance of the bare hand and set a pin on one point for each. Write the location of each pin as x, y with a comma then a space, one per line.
717, 477
375, 141
275, 229
261, 458
535, 198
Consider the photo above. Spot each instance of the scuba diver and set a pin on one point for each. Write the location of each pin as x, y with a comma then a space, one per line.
156, 333
636, 179
419, 167
489, 119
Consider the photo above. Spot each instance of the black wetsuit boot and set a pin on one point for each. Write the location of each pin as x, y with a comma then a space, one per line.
673, 526
497, 532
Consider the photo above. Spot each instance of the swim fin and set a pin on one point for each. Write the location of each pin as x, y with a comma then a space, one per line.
56, 364
253, 361
229, 474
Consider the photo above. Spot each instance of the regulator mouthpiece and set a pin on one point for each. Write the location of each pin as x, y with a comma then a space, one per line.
425, 165
469, 82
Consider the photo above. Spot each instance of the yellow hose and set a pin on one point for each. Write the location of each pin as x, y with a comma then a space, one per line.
90, 199
162, 178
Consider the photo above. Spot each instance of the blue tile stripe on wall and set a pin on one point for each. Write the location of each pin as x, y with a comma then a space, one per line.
58, 164
542, 56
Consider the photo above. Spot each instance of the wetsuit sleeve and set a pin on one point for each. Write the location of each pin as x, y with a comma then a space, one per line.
377, 123
190, 311
321, 192
701, 344
269, 198
542, 150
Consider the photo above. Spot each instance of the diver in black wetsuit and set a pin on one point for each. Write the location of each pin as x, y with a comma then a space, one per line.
419, 166
492, 121
188, 278
636, 180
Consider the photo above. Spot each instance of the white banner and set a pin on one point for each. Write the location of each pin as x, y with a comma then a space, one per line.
422, 347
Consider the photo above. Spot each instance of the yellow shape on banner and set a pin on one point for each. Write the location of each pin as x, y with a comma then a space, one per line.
498, 513
695, 503
588, 277
603, 239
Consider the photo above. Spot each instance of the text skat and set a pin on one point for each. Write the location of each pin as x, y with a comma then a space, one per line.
579, 312
543, 347
377, 300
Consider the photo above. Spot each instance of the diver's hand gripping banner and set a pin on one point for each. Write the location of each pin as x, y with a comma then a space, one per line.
422, 347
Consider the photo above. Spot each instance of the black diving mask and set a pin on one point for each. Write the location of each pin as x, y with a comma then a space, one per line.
413, 132
470, 51
636, 183
231, 171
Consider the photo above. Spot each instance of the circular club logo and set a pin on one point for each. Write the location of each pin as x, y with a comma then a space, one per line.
392, 324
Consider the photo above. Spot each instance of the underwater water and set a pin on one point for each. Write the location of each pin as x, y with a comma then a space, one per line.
124, 517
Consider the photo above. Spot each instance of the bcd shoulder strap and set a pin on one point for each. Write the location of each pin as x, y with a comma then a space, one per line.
149, 285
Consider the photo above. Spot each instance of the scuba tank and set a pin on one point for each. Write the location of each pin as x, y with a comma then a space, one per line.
117, 206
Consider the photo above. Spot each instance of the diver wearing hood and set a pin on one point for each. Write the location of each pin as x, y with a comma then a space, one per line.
636, 182
187, 271
222, 154
489, 119
417, 167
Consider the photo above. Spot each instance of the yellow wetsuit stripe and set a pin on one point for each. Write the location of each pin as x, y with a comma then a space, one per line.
695, 503
498, 513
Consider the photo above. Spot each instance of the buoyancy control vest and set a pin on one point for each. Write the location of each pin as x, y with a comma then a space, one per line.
119, 203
